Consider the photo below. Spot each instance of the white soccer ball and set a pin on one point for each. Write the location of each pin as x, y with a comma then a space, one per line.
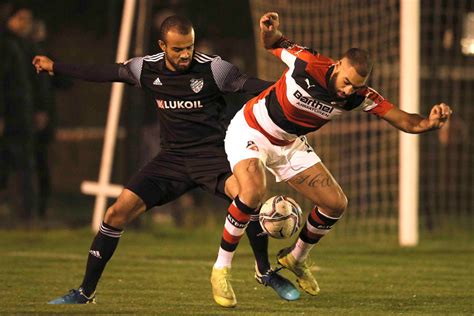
280, 217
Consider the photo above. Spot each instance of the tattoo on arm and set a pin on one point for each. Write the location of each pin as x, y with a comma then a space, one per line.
319, 180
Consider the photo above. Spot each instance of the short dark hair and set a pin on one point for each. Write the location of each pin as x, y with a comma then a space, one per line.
177, 23
360, 60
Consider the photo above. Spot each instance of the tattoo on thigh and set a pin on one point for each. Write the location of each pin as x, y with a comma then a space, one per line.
252, 166
319, 180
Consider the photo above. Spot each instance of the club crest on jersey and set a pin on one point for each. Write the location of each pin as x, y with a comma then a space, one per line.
251, 145
197, 84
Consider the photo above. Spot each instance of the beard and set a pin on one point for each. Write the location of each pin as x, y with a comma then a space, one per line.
332, 85
177, 66
332, 88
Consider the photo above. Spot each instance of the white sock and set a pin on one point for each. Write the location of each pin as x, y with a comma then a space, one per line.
301, 250
224, 259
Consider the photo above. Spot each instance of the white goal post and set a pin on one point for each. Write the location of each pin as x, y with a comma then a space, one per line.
377, 166
103, 188
409, 102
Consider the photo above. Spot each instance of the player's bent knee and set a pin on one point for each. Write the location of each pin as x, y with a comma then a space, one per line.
118, 216
252, 197
338, 206
127, 207
343, 201
335, 206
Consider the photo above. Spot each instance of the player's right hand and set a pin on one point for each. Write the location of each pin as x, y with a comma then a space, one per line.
43, 63
269, 22
439, 115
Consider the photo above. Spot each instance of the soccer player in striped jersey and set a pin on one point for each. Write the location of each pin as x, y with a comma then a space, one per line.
269, 132
188, 89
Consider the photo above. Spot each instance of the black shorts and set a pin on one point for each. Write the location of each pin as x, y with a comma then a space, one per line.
169, 175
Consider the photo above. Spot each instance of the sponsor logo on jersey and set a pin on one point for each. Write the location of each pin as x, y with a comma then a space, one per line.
309, 84
313, 105
197, 84
157, 82
251, 145
172, 105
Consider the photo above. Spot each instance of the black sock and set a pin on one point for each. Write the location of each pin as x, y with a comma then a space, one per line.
259, 244
102, 249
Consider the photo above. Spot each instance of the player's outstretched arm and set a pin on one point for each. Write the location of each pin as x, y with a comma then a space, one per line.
415, 123
229, 79
269, 33
95, 73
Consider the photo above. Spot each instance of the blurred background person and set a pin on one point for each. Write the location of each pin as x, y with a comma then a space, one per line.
44, 116
17, 108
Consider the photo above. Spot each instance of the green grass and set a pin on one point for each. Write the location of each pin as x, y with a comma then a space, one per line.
167, 272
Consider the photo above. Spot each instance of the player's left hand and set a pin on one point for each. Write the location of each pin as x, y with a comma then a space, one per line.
43, 63
439, 115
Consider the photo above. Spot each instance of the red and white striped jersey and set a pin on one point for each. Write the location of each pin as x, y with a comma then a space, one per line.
299, 102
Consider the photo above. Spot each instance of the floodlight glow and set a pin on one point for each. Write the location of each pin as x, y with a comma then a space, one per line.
467, 41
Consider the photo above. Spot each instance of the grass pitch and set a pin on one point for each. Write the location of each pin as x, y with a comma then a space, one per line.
167, 271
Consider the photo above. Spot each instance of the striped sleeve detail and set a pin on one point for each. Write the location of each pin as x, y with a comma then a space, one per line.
227, 77
133, 68
204, 58
155, 57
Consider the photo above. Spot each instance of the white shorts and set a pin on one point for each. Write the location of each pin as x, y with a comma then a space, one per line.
243, 142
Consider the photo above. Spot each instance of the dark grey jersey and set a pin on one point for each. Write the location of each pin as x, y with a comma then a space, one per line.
190, 103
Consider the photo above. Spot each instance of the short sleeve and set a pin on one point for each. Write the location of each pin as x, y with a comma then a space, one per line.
374, 103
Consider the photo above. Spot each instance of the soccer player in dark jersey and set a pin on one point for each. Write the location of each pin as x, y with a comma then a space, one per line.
269, 133
188, 89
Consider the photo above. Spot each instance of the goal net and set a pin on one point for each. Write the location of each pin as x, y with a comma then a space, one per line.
447, 75
360, 150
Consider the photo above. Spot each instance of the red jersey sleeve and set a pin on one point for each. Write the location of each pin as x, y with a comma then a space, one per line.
284, 45
374, 103
317, 65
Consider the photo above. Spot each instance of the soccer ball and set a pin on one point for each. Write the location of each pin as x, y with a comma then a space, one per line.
280, 217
